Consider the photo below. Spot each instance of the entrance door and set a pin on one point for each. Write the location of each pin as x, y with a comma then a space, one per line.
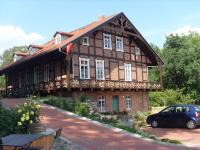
102, 104
115, 103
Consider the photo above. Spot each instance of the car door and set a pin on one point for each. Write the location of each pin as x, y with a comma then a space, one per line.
166, 117
181, 115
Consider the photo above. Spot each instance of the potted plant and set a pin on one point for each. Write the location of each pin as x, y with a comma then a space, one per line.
28, 117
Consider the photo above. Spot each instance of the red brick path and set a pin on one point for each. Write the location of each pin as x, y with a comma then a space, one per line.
91, 136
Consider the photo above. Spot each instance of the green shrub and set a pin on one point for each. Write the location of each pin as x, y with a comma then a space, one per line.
83, 97
60, 102
18, 120
27, 114
170, 97
171, 141
139, 119
81, 109
8, 122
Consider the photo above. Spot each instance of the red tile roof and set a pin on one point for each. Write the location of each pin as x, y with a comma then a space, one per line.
63, 33
35, 46
74, 35
21, 53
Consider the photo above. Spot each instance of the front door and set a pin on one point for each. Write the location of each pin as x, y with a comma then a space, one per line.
115, 103
102, 104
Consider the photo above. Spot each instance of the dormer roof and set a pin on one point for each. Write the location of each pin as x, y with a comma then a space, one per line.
62, 33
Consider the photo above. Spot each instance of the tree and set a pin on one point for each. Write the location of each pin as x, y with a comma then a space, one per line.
181, 55
7, 56
154, 72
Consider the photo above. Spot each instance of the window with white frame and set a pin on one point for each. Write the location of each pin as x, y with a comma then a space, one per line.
84, 68
85, 41
119, 44
100, 70
128, 102
58, 39
107, 41
102, 104
137, 51
46, 73
127, 71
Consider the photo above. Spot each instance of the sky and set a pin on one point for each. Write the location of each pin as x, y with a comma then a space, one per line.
24, 22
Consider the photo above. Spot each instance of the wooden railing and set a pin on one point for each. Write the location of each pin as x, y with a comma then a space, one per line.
81, 84
99, 84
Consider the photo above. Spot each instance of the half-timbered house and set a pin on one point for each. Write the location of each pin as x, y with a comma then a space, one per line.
107, 59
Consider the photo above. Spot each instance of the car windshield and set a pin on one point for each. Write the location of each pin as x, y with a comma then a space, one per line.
197, 108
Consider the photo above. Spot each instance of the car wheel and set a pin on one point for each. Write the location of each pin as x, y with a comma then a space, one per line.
154, 124
191, 124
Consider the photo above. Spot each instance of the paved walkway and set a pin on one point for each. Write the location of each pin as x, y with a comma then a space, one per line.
91, 136
188, 137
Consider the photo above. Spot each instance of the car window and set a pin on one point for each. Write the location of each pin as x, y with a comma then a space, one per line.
197, 108
182, 109
169, 110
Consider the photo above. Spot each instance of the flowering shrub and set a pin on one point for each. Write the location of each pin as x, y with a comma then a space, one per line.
28, 113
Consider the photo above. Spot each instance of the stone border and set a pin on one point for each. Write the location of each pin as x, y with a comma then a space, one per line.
115, 129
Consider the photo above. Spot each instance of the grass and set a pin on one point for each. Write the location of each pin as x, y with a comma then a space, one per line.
170, 141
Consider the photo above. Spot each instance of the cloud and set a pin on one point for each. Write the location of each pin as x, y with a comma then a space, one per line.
11, 35
185, 30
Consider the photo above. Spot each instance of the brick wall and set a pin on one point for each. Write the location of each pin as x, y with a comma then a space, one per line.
139, 99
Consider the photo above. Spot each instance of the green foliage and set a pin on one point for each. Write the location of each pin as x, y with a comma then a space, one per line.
170, 97
2, 82
7, 56
18, 120
171, 141
181, 55
81, 109
61, 102
83, 97
28, 113
139, 119
8, 122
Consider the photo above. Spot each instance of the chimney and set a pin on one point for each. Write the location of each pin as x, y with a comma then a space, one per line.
102, 17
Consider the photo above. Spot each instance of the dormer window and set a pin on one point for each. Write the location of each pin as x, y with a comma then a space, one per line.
60, 36
34, 48
19, 55
137, 51
58, 39
85, 41
16, 57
